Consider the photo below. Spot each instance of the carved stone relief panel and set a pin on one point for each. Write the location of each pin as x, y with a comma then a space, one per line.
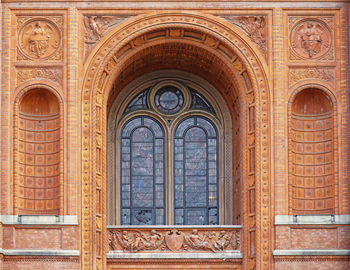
255, 26
311, 38
175, 240
39, 38
96, 26
53, 74
326, 74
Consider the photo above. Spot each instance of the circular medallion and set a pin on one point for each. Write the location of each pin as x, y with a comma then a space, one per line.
39, 39
169, 99
311, 39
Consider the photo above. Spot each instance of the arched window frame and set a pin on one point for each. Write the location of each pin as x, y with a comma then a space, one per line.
222, 121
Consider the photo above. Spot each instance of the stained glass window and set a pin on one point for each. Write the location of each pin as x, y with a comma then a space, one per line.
138, 102
201, 103
196, 172
195, 176
169, 99
142, 172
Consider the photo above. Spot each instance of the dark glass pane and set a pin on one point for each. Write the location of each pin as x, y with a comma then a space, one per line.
196, 216
195, 167
142, 217
142, 172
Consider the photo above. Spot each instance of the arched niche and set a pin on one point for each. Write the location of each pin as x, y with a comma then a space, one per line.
312, 144
38, 153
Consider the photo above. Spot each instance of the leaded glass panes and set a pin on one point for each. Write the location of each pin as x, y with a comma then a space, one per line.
195, 172
142, 172
169, 99
138, 102
199, 102
143, 159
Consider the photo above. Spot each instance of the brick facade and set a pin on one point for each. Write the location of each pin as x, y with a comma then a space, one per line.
281, 69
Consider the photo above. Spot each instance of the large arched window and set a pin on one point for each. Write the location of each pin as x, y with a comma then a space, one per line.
167, 159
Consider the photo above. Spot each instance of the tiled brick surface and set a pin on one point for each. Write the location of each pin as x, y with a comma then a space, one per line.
277, 65
312, 265
39, 265
320, 237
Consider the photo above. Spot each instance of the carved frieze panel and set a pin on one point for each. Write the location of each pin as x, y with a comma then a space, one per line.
39, 38
325, 74
174, 240
96, 26
311, 38
255, 26
53, 74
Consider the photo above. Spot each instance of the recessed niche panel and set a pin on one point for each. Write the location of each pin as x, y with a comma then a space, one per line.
39, 136
312, 153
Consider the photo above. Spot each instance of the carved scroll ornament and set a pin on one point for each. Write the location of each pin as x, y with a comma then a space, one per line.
174, 240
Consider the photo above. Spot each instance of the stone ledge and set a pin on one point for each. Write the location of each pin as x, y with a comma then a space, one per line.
174, 226
40, 252
39, 219
311, 252
158, 255
312, 219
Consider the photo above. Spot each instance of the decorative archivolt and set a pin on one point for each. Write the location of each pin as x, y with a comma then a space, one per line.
103, 67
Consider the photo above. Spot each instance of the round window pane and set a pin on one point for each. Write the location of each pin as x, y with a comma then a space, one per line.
169, 99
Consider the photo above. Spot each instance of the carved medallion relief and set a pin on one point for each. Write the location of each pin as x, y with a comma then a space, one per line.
39, 38
311, 38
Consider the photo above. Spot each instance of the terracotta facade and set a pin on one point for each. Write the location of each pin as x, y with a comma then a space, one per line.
277, 76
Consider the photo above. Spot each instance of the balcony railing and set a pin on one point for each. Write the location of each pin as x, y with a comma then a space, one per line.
169, 241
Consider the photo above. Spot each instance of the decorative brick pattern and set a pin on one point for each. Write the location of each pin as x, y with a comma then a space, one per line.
259, 55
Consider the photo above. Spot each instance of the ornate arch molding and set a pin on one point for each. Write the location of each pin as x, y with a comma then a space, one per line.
325, 88
102, 68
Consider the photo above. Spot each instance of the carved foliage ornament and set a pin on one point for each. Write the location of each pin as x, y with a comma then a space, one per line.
310, 38
174, 240
97, 26
39, 38
53, 74
324, 74
253, 26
